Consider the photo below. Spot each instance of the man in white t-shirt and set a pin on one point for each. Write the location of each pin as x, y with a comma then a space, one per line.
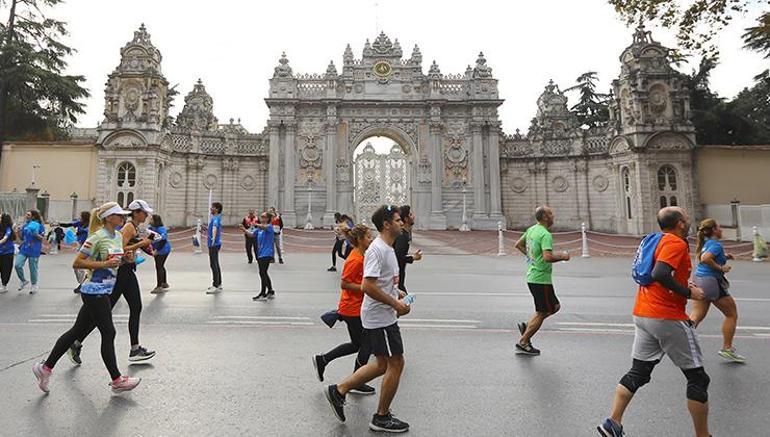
380, 310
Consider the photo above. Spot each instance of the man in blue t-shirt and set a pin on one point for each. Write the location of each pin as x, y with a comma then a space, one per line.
215, 243
32, 236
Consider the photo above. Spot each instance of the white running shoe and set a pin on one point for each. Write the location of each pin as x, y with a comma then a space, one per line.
124, 383
34, 289
23, 286
3, 289
213, 290
42, 374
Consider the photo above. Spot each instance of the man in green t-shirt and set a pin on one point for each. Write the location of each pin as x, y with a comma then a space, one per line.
537, 245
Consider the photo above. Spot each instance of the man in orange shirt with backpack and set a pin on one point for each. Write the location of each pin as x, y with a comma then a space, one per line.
662, 326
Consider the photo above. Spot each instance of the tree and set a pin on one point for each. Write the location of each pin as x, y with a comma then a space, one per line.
697, 23
37, 100
592, 110
757, 38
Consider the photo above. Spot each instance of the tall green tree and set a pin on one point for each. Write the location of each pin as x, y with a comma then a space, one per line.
592, 109
757, 38
37, 99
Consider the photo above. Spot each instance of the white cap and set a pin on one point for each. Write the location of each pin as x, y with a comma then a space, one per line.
140, 204
115, 209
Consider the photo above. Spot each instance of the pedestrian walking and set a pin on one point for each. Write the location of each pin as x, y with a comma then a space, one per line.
161, 248
7, 249
401, 246
710, 276
265, 234
380, 309
537, 245
248, 222
662, 269
214, 240
277, 222
349, 308
340, 222
31, 234
101, 255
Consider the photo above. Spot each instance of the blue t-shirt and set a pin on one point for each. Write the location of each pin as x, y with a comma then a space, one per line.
81, 232
265, 239
215, 222
161, 247
7, 247
715, 248
31, 246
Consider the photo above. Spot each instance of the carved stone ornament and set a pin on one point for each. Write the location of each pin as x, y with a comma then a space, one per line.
560, 184
455, 160
343, 170
600, 183
310, 155
668, 142
125, 140
248, 183
424, 171
210, 181
175, 179
519, 185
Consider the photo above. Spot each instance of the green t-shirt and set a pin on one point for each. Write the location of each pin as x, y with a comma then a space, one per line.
101, 246
538, 239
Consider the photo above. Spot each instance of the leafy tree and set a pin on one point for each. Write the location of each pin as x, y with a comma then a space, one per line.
757, 38
37, 100
592, 109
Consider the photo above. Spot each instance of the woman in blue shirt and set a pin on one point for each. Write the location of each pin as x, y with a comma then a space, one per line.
265, 234
81, 232
6, 251
31, 235
161, 248
710, 276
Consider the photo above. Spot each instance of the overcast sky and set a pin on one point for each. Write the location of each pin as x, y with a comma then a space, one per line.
233, 46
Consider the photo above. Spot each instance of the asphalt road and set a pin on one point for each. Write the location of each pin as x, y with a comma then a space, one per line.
230, 366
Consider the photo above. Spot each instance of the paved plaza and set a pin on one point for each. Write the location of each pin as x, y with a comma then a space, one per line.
230, 366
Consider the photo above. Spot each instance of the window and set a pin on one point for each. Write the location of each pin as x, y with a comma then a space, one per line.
663, 202
672, 201
667, 178
626, 177
126, 183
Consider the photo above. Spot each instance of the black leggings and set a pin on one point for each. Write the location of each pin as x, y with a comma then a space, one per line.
216, 272
264, 264
6, 267
160, 269
96, 310
356, 332
337, 250
251, 246
127, 286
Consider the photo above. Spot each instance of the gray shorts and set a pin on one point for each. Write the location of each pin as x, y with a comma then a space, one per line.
654, 338
712, 287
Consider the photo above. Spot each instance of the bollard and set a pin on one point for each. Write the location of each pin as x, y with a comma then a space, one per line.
758, 246
584, 236
198, 249
500, 240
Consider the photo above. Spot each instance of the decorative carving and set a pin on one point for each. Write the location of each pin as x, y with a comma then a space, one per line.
175, 179
619, 145
356, 127
310, 155
198, 111
424, 175
482, 71
248, 183
560, 184
600, 183
343, 170
210, 181
283, 70
518, 184
668, 142
125, 140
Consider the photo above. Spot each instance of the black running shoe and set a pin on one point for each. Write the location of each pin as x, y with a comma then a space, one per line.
77, 289
522, 327
336, 401
271, 294
260, 296
319, 364
387, 423
527, 349
74, 353
331, 269
140, 354
280, 261
364, 389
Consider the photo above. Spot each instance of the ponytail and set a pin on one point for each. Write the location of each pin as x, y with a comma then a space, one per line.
705, 230
95, 223
356, 234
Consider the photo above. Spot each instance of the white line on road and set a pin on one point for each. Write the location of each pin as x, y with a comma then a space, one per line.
616, 325
257, 322
761, 335
420, 325
441, 321
469, 294
752, 299
72, 316
262, 317
596, 330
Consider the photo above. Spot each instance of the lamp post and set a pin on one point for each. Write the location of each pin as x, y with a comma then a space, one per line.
309, 224
464, 227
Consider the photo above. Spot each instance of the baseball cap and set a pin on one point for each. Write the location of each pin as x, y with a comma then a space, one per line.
140, 204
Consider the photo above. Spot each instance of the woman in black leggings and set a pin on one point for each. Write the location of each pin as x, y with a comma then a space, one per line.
101, 254
349, 308
7, 235
264, 231
127, 285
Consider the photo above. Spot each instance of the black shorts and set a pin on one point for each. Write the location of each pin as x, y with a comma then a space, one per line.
545, 298
385, 342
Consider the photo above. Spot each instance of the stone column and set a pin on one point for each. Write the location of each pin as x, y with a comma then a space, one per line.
330, 167
289, 214
437, 215
495, 195
274, 166
479, 204
46, 205
32, 191
74, 197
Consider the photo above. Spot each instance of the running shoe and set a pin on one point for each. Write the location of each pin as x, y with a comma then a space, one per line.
271, 294
165, 286
527, 349
74, 353
336, 402
3, 289
364, 389
23, 286
124, 383
260, 296
280, 260
157, 290
319, 364
522, 327
388, 423
732, 355
77, 289
214, 290
610, 428
34, 289
140, 354
43, 374
331, 269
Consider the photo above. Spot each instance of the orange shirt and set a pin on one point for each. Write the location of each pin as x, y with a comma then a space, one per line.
654, 300
350, 302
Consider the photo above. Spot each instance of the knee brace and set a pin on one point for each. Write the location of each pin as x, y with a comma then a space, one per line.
697, 384
638, 375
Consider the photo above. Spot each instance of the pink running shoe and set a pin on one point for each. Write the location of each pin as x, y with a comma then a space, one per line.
43, 374
124, 383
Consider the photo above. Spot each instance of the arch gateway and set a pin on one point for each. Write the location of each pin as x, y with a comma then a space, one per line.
446, 134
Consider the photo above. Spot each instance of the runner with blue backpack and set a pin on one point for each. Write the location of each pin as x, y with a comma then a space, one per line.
710, 276
662, 269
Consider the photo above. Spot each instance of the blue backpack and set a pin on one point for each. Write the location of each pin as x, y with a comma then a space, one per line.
641, 270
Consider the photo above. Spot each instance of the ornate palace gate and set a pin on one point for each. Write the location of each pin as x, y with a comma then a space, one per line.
380, 179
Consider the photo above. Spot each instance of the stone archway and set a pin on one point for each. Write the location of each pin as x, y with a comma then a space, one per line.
379, 177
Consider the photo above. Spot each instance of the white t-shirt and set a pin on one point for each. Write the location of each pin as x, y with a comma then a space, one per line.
380, 262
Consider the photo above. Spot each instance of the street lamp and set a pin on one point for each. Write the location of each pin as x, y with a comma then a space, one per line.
464, 227
309, 224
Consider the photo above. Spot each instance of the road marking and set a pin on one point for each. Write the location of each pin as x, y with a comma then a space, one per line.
257, 322
72, 316
262, 317
68, 321
615, 325
762, 335
410, 320
419, 325
469, 294
752, 299
595, 330
755, 328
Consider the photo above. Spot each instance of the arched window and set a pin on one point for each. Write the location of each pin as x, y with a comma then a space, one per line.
663, 202
126, 183
626, 179
667, 185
